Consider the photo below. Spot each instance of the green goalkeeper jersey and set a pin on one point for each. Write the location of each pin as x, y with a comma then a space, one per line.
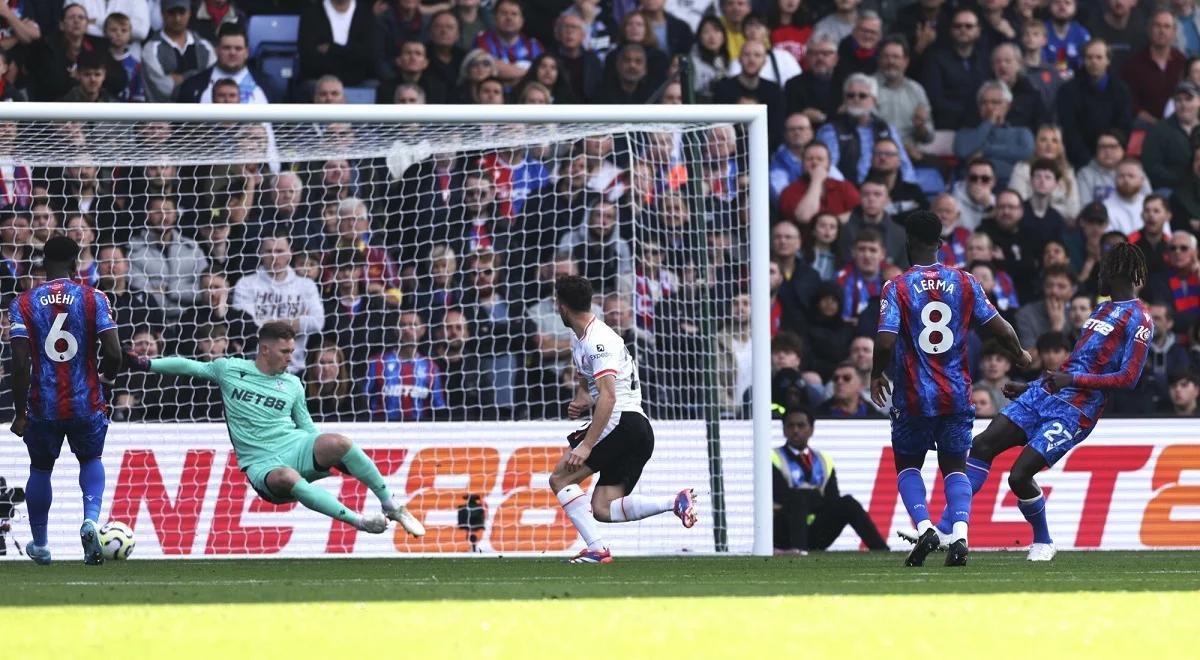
262, 413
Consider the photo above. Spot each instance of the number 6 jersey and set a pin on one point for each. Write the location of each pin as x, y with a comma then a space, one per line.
932, 308
602, 352
62, 320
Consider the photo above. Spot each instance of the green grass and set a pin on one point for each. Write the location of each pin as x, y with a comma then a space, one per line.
1104, 604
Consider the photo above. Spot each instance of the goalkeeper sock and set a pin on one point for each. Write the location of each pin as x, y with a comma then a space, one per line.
38, 496
912, 492
579, 509
636, 507
1034, 510
318, 499
958, 504
91, 482
365, 470
977, 474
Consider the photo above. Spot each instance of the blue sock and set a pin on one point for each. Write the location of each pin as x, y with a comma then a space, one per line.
38, 496
91, 482
912, 492
1035, 512
977, 474
958, 501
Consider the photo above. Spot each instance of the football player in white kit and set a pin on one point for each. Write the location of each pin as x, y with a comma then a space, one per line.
618, 440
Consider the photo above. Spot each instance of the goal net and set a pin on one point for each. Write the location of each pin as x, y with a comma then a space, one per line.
416, 259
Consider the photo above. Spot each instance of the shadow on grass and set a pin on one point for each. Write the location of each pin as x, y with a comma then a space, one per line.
483, 578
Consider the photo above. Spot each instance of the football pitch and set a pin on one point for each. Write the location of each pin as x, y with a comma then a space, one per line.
849, 605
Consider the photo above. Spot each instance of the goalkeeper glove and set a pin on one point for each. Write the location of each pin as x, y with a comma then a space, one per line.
135, 362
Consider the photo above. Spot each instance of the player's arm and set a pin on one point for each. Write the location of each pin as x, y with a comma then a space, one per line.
582, 402
1125, 379
21, 363
300, 414
1002, 332
885, 342
174, 366
607, 387
111, 355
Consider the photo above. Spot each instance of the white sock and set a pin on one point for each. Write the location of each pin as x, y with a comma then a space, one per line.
923, 525
636, 507
959, 532
579, 509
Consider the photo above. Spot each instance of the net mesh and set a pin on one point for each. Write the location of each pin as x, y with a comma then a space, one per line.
416, 261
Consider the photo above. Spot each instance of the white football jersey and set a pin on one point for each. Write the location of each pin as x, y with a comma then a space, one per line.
602, 352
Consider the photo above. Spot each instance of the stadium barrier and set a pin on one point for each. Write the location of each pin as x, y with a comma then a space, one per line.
1134, 484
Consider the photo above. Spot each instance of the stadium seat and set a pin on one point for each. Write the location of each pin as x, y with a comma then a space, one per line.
277, 73
360, 95
274, 33
931, 181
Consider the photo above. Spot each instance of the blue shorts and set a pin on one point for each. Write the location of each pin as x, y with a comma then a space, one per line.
915, 435
44, 438
1052, 426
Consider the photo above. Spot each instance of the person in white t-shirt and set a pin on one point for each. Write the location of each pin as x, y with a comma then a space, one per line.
1125, 204
617, 442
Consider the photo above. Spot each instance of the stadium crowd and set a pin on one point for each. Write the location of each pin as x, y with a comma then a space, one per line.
1041, 132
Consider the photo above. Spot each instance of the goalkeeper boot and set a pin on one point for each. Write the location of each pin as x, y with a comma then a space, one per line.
586, 556
956, 555
685, 507
40, 554
406, 519
373, 523
928, 542
89, 536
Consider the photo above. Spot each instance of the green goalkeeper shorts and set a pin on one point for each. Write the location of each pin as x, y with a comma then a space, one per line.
295, 452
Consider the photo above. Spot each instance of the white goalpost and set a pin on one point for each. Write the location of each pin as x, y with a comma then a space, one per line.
414, 248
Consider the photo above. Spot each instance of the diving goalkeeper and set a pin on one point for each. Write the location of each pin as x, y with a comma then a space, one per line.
278, 447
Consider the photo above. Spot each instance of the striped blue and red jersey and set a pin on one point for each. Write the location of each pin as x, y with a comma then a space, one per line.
404, 389
931, 309
63, 319
1109, 355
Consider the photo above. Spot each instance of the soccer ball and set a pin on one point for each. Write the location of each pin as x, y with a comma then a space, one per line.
116, 540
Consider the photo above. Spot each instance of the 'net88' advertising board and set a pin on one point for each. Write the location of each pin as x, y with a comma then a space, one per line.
1134, 484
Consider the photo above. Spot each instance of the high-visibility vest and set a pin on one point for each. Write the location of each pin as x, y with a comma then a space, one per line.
789, 467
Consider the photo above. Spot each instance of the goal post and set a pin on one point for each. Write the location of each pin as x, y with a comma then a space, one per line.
664, 155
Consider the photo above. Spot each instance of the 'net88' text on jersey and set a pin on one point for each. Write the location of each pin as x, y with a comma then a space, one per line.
602, 352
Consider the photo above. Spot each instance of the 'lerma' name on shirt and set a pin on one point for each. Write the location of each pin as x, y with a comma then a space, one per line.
933, 285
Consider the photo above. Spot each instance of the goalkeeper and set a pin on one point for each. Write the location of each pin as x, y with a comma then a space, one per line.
278, 447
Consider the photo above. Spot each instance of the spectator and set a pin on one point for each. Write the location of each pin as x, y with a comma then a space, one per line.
816, 191
1019, 243
582, 68
858, 52
50, 60
469, 387
902, 101
499, 330
601, 29
708, 58
116, 30
862, 278
748, 83
1165, 357
779, 66
473, 21
412, 67
994, 139
164, 262
441, 287
327, 386
1041, 217
810, 511
974, 193
174, 54
1084, 244
1155, 233
1079, 311
14, 251
1091, 102
1184, 392
1187, 35
1185, 200
1167, 151
512, 49
1114, 26
338, 38
409, 94
80, 229
1053, 350
604, 257
1124, 206
275, 293
445, 55
847, 400
477, 67
398, 22
16, 178
885, 166
840, 23
984, 401
952, 73
359, 319
1191, 74
1097, 180
673, 34
1027, 108
634, 30
1153, 71
43, 225
826, 332
91, 69
403, 384
1065, 36
994, 369
732, 13
98, 11
851, 136
631, 83
19, 28
955, 237
547, 71
791, 26
1181, 281
212, 14
144, 397
355, 232
132, 308
787, 165
817, 91
799, 278
212, 309
232, 55
1050, 313
1044, 75
873, 212
733, 364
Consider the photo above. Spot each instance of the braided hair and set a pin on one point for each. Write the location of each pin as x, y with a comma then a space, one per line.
1124, 260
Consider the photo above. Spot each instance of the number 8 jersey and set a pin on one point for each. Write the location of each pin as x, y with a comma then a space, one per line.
932, 308
62, 320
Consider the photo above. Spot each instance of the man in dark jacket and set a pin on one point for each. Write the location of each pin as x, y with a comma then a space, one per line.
953, 72
352, 56
1167, 152
1093, 101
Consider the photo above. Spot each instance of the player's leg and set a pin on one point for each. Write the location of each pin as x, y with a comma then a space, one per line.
613, 503
1000, 435
86, 438
284, 484
1032, 502
43, 441
332, 449
564, 484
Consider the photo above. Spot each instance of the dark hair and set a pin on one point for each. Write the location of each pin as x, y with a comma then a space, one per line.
496, 5
1053, 341
869, 235
116, 17
1114, 133
91, 60
1183, 374
562, 91
800, 410
1125, 261
705, 55
1059, 270
232, 30
817, 143
1045, 164
276, 330
574, 291
897, 40
786, 340
60, 250
1156, 197
980, 160
226, 82
801, 18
